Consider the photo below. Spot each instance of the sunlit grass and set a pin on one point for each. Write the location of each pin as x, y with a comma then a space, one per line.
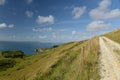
114, 35
65, 62
71, 67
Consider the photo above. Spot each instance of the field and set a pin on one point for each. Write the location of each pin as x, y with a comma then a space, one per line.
71, 61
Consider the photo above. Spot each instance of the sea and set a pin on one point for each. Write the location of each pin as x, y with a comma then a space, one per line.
26, 47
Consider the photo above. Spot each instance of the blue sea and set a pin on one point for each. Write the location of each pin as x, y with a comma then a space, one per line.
26, 47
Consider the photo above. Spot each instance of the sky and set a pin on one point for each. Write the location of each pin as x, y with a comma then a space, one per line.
57, 20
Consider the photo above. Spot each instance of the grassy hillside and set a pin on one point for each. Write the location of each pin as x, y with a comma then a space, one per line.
76, 64
72, 61
114, 35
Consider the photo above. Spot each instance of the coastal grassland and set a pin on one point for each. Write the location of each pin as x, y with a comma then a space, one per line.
114, 35
86, 67
29, 66
71, 61
76, 64
1, 57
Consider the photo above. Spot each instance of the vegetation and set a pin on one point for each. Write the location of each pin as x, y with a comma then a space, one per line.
6, 63
55, 46
6, 60
12, 54
72, 66
72, 61
114, 35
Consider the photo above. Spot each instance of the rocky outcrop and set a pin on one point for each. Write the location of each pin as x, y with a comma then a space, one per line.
41, 50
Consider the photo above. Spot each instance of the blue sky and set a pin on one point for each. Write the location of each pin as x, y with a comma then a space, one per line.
57, 20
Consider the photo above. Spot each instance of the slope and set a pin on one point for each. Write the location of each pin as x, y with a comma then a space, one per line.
114, 35
72, 61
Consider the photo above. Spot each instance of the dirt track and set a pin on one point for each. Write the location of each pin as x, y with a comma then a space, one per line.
109, 59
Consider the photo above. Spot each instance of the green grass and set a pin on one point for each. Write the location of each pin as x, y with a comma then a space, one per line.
1, 55
66, 62
6, 63
32, 64
61, 63
88, 69
70, 66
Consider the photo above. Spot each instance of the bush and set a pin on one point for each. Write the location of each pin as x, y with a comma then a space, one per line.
6, 63
55, 46
13, 54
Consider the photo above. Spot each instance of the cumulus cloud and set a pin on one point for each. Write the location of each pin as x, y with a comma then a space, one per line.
42, 37
2, 2
77, 12
103, 11
104, 4
42, 29
29, 13
29, 1
47, 19
97, 26
11, 25
4, 25
74, 32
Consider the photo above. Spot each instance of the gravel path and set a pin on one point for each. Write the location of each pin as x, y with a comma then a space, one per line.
109, 59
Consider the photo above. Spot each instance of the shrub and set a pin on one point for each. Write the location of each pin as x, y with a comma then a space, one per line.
13, 54
55, 46
6, 63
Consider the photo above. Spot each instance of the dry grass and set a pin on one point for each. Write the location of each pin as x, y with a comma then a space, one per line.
65, 62
85, 67
29, 67
114, 35
71, 66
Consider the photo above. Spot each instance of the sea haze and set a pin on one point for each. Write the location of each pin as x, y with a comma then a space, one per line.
26, 47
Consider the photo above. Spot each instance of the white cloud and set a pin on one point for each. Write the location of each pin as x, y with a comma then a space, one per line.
42, 29
103, 11
48, 19
77, 12
104, 4
2, 2
29, 13
29, 1
97, 26
4, 25
42, 37
74, 32
34, 29
11, 25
